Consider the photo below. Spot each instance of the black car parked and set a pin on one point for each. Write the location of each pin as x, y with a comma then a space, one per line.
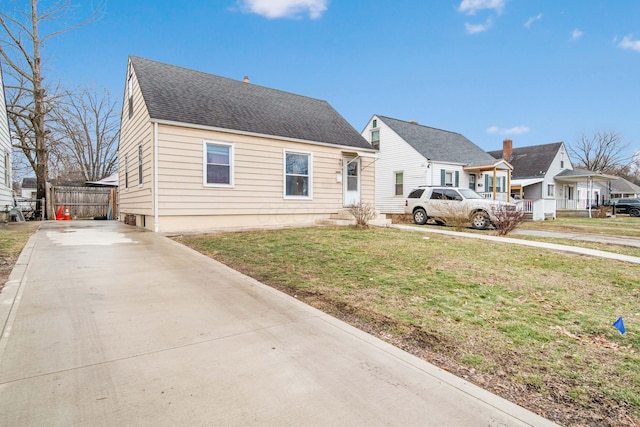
628, 206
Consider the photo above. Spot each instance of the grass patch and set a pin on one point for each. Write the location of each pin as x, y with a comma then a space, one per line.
536, 320
13, 238
606, 247
621, 225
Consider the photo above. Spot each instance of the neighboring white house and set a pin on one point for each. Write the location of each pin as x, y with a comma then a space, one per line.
412, 154
6, 196
28, 189
199, 151
546, 181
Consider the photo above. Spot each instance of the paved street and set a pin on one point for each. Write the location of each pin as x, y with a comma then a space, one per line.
105, 324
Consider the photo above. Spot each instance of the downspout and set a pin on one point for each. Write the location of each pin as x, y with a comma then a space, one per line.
155, 177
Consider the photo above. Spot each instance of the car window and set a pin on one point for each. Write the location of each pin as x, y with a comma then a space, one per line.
470, 194
452, 195
438, 194
416, 194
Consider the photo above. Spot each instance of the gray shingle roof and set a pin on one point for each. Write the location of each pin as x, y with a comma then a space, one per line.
622, 185
187, 96
439, 145
530, 162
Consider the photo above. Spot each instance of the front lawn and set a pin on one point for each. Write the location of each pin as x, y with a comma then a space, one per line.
531, 325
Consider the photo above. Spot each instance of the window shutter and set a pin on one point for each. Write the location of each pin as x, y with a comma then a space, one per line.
457, 182
442, 176
486, 182
504, 184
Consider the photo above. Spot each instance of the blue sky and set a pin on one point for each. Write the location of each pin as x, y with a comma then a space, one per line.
534, 71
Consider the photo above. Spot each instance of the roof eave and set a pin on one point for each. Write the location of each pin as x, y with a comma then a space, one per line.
261, 135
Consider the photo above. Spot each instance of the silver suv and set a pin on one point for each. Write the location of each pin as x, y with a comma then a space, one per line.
440, 203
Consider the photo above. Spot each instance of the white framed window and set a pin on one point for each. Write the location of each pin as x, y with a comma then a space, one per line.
500, 184
472, 182
448, 179
399, 190
140, 165
551, 190
298, 175
375, 138
218, 164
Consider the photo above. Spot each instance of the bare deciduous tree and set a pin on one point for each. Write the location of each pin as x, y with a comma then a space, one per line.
86, 133
604, 151
27, 104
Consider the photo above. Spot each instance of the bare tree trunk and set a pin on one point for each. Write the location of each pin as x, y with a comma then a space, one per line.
30, 106
38, 115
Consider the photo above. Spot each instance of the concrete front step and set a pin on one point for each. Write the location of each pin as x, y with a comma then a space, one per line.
344, 217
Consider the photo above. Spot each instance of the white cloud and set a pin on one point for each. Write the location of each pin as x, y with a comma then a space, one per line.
470, 7
628, 43
516, 130
532, 20
273, 9
576, 34
477, 28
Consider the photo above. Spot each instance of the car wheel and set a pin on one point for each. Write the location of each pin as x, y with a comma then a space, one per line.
480, 221
420, 216
634, 212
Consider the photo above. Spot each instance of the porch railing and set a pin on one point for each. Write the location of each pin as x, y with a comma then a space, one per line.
499, 196
539, 209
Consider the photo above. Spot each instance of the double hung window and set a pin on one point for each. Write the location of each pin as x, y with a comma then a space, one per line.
218, 164
297, 175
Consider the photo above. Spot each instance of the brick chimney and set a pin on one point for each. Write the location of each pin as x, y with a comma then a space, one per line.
246, 79
507, 149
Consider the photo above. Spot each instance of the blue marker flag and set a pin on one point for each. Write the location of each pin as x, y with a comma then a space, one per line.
619, 324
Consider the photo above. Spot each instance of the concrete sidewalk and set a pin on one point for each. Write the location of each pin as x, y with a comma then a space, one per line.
543, 245
106, 324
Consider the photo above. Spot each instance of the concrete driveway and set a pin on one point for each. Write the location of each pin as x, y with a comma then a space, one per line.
105, 324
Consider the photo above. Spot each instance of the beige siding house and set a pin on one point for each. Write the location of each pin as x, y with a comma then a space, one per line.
199, 151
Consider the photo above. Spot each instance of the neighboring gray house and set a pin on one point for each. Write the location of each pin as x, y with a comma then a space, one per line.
412, 154
622, 188
546, 181
6, 194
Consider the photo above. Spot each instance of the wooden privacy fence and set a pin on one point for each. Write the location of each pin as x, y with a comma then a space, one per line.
85, 202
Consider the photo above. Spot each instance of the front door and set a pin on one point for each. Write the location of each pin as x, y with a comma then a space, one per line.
351, 181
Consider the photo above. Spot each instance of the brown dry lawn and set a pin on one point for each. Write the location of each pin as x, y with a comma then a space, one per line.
531, 325
13, 238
